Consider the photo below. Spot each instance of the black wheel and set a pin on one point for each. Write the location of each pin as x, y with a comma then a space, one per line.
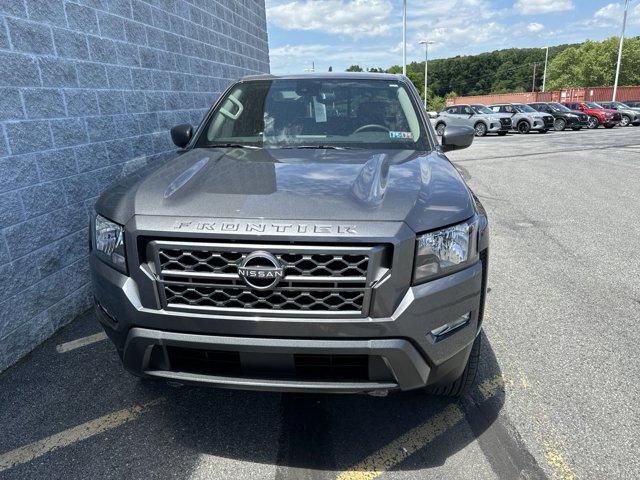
502, 134
593, 122
626, 121
524, 127
560, 124
611, 125
481, 129
458, 387
543, 131
440, 128
576, 128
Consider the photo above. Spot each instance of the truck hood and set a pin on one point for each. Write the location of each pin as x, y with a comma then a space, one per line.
422, 189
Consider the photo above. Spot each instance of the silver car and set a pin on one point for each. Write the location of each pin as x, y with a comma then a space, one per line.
630, 115
477, 116
525, 118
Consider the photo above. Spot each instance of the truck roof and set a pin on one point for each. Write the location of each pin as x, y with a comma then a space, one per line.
329, 75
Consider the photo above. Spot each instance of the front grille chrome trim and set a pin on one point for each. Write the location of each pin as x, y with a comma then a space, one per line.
306, 284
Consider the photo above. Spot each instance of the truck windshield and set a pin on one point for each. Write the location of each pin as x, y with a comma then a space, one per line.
522, 108
558, 107
316, 113
481, 109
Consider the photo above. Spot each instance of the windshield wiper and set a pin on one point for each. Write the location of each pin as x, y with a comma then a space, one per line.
319, 147
230, 145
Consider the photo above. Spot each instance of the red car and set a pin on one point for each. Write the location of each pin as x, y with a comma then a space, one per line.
598, 115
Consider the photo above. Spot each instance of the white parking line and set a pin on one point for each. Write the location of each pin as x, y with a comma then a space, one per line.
68, 437
81, 342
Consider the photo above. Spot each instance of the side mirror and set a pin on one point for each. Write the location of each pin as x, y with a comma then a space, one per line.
181, 134
457, 138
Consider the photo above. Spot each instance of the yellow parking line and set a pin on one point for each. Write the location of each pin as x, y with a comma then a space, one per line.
81, 342
402, 447
68, 437
406, 445
557, 462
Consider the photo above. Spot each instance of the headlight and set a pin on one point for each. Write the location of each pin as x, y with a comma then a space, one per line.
445, 251
109, 242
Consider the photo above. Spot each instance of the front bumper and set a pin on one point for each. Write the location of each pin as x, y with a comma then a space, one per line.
400, 351
497, 126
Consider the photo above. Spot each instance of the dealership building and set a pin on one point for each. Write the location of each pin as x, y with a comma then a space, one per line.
88, 92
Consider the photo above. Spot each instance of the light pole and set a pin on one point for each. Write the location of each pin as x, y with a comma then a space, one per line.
624, 24
404, 37
426, 44
544, 75
533, 87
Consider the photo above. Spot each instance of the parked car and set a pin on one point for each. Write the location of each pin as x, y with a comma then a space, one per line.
476, 116
309, 235
597, 114
524, 118
630, 115
562, 116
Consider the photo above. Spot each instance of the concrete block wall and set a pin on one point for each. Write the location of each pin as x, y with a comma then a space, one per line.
88, 91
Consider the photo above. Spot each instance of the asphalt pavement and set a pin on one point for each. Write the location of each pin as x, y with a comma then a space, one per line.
556, 397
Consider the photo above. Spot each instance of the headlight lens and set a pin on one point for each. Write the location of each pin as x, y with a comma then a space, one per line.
109, 242
445, 251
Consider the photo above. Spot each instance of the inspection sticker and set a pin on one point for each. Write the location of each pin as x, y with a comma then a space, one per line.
401, 135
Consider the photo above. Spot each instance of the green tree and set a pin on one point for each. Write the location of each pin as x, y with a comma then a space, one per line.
435, 103
354, 68
594, 63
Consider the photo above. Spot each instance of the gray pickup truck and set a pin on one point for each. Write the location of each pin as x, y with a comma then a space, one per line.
309, 235
476, 116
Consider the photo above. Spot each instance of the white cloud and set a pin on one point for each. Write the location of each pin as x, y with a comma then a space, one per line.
353, 18
294, 58
535, 27
533, 7
611, 15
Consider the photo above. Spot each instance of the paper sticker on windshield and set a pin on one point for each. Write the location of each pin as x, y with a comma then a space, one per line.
400, 135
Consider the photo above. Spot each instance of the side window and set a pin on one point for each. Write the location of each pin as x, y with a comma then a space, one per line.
495, 108
452, 110
466, 110
507, 109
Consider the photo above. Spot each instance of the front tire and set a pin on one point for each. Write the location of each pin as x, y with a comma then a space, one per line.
575, 129
440, 127
611, 125
626, 121
543, 131
560, 124
481, 129
524, 127
593, 122
502, 134
458, 387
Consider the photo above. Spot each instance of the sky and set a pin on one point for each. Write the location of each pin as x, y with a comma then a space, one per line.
340, 33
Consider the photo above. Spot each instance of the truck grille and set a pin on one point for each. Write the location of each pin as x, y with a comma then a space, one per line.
316, 279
